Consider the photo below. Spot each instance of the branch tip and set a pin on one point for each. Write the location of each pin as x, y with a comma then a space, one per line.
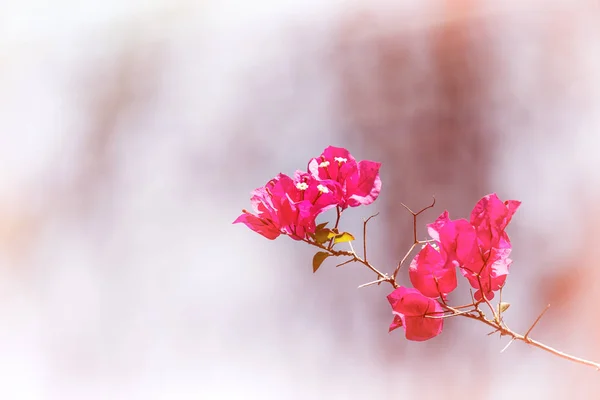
526, 336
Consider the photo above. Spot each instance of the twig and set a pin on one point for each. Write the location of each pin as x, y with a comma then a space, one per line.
454, 314
337, 222
494, 314
345, 262
378, 281
403, 259
506, 347
415, 240
515, 336
365, 235
415, 215
536, 321
356, 258
497, 323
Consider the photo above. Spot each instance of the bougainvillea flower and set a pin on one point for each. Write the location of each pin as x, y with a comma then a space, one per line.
480, 247
432, 273
489, 274
266, 221
290, 206
360, 182
490, 216
410, 308
456, 238
322, 194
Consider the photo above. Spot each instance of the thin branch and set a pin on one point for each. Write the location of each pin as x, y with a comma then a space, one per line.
494, 314
428, 207
337, 222
378, 281
437, 286
536, 321
395, 274
415, 240
506, 347
352, 249
515, 336
365, 235
408, 209
415, 215
356, 258
500, 305
345, 262
558, 353
464, 306
497, 324
472, 297
454, 314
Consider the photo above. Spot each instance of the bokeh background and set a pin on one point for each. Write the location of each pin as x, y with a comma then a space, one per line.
131, 134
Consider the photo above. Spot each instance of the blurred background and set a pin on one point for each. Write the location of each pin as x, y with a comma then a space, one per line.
131, 134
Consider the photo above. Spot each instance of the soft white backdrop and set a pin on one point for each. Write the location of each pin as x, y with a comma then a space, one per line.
131, 134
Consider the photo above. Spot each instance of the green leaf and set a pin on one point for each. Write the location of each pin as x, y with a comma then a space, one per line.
318, 260
503, 307
321, 226
343, 237
323, 235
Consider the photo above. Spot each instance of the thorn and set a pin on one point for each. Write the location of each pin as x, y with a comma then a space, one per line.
536, 321
506, 347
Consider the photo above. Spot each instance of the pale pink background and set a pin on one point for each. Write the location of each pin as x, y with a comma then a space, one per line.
131, 134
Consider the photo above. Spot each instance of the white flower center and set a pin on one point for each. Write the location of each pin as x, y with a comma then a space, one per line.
324, 164
322, 189
301, 185
340, 159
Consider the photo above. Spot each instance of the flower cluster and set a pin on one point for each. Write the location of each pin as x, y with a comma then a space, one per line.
290, 206
479, 248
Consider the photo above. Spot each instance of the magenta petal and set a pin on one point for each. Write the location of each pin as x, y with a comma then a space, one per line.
289, 206
434, 228
330, 163
411, 307
366, 184
490, 216
258, 225
396, 323
431, 274
332, 152
359, 182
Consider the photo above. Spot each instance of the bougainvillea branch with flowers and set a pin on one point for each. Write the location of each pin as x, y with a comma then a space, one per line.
477, 248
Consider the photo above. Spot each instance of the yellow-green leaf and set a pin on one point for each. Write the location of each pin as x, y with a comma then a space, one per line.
343, 237
321, 226
503, 307
323, 235
318, 259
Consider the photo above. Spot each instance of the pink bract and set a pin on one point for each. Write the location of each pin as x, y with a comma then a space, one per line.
359, 181
480, 247
290, 206
266, 220
432, 273
490, 216
410, 308
488, 275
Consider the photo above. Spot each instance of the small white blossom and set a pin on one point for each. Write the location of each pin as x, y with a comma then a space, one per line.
322, 189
